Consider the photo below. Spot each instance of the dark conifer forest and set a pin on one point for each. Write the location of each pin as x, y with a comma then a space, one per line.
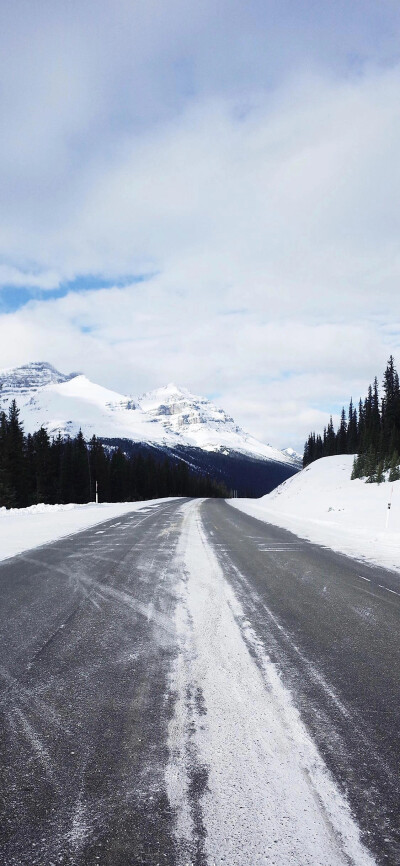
36, 469
370, 430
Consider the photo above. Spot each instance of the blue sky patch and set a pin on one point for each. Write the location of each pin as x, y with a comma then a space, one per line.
12, 298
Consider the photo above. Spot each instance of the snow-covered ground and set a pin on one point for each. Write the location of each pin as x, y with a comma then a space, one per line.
322, 504
236, 740
24, 528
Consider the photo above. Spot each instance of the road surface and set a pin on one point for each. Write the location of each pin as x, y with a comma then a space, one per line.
188, 685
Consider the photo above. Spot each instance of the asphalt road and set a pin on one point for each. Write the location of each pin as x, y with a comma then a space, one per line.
332, 627
89, 644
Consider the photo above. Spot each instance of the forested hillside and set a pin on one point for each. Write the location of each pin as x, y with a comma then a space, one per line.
371, 431
36, 469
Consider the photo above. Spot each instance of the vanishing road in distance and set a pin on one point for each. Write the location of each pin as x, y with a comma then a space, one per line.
188, 685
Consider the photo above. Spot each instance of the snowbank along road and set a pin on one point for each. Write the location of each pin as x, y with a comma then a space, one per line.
188, 685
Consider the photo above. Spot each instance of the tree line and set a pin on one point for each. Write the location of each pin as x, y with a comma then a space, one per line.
371, 431
36, 469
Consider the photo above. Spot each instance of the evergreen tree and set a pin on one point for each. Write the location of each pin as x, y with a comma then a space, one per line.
394, 474
80, 468
43, 467
330, 440
373, 433
341, 438
7, 493
352, 430
118, 477
66, 481
99, 470
14, 457
391, 408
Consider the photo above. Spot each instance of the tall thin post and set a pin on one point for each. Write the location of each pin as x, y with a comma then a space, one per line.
389, 507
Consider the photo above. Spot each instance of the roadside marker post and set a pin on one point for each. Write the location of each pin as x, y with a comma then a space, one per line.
389, 507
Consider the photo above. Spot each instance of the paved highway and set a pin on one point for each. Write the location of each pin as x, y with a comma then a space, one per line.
188, 685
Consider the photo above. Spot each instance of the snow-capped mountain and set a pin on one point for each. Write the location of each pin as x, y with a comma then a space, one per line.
168, 417
23, 381
294, 456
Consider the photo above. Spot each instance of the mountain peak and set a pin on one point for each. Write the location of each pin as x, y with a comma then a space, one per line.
166, 417
297, 459
165, 393
30, 377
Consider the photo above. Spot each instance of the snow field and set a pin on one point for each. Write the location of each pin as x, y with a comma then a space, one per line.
22, 529
323, 505
246, 781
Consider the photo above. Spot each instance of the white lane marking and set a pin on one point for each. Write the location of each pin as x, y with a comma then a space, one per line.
388, 590
136, 524
133, 518
365, 578
100, 532
279, 549
106, 558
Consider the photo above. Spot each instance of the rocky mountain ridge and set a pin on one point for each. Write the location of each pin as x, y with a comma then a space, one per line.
165, 417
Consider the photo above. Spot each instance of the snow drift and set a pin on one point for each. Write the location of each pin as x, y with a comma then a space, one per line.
324, 505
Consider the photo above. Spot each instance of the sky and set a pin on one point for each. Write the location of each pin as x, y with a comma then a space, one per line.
204, 193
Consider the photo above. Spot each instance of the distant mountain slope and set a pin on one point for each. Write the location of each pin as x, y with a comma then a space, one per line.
294, 456
28, 379
169, 417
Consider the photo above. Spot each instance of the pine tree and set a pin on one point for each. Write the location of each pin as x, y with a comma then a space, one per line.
330, 444
80, 468
66, 479
379, 477
352, 430
375, 417
99, 470
57, 452
118, 477
394, 474
391, 409
14, 457
341, 438
43, 468
7, 493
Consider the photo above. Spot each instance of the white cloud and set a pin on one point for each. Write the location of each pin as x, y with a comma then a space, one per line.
277, 379
10, 276
167, 140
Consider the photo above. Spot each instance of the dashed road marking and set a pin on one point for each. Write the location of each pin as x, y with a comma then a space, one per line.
365, 578
388, 590
279, 549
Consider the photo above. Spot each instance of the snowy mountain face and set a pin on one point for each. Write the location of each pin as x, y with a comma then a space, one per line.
182, 413
294, 456
27, 379
168, 417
